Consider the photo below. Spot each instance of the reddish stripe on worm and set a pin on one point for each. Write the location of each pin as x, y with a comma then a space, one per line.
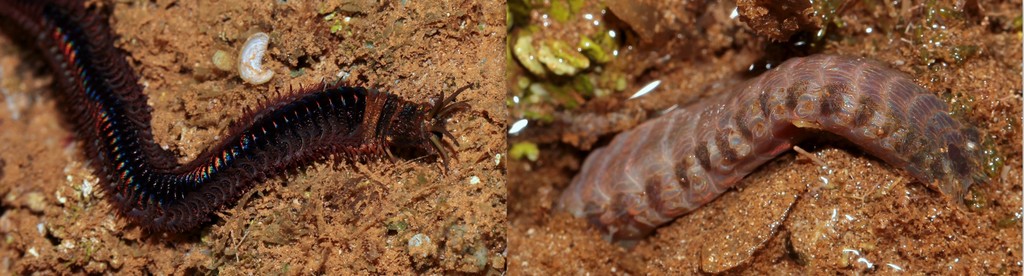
674, 164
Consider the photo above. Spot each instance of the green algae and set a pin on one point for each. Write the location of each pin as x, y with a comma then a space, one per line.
339, 24
562, 59
583, 84
526, 54
560, 11
960, 104
976, 199
593, 51
527, 150
553, 68
563, 10
826, 11
1011, 220
396, 224
992, 161
932, 33
518, 12
541, 116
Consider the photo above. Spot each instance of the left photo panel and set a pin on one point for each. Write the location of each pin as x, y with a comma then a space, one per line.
252, 137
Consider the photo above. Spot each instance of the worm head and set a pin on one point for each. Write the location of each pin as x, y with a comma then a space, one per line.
430, 130
436, 119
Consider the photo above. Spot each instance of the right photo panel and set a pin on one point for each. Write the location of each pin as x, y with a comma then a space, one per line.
764, 137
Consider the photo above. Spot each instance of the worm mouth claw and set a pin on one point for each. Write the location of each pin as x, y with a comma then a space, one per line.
437, 119
436, 143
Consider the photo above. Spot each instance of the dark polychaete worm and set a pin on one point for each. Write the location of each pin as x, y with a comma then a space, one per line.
672, 165
146, 184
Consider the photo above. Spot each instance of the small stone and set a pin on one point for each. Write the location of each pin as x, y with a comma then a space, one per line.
96, 267
60, 199
230, 251
421, 248
473, 180
498, 262
223, 61
66, 245
480, 258
35, 201
115, 262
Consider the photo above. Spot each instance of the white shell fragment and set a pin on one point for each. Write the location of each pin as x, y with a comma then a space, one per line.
249, 58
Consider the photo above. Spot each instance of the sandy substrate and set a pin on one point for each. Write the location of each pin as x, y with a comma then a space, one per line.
330, 217
855, 215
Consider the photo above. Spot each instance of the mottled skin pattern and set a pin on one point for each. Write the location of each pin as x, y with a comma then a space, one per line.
671, 165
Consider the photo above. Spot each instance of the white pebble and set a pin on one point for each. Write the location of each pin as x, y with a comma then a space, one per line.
249, 59
87, 185
418, 240
67, 244
420, 246
60, 199
474, 180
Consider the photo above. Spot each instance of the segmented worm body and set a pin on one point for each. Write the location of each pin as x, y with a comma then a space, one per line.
147, 185
671, 165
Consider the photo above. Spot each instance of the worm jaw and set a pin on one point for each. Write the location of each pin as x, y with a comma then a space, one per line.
436, 121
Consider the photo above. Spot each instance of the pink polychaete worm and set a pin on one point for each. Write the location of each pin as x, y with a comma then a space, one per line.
674, 164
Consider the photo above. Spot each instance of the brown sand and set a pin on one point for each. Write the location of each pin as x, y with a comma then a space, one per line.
858, 215
330, 217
